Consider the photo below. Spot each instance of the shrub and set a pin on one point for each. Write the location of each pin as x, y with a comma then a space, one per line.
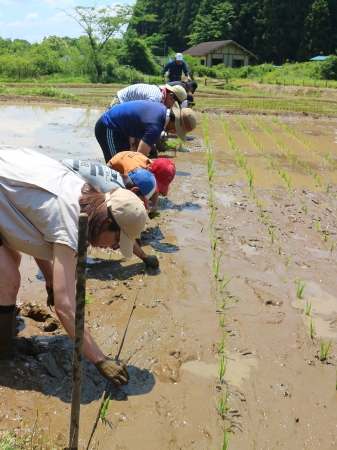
329, 68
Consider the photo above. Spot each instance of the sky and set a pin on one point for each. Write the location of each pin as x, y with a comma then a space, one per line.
33, 20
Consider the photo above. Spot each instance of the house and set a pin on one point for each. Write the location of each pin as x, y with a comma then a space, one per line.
228, 53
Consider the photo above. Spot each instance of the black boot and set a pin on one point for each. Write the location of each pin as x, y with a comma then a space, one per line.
6, 333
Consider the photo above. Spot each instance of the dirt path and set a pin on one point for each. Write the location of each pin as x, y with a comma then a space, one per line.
281, 395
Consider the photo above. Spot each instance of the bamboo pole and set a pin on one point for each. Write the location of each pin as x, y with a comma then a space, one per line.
79, 329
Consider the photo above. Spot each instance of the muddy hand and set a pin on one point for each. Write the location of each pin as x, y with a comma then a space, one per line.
114, 371
50, 296
152, 261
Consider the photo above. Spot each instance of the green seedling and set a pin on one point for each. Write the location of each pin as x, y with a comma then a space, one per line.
332, 246
279, 247
272, 237
325, 234
288, 260
221, 344
223, 366
216, 265
318, 225
180, 143
225, 440
222, 407
324, 349
222, 321
170, 144
312, 329
88, 299
328, 188
224, 283
300, 289
261, 210
308, 308
266, 219
305, 208
225, 301
154, 214
105, 409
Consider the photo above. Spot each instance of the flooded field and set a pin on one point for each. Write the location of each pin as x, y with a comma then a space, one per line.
228, 333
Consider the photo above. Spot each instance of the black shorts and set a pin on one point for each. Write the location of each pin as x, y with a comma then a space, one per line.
173, 78
110, 141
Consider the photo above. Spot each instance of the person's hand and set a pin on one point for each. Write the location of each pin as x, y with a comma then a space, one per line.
163, 79
114, 371
189, 78
151, 261
50, 296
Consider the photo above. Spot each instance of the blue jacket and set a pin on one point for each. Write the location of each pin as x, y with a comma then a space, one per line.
175, 69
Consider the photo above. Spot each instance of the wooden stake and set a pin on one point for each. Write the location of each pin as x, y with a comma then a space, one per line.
79, 329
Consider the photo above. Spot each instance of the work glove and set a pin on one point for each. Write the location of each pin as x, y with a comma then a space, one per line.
152, 261
113, 370
50, 297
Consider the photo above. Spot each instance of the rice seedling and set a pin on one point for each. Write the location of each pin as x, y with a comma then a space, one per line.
222, 321
222, 367
266, 219
225, 440
288, 260
328, 188
279, 247
180, 143
305, 208
224, 283
332, 246
154, 214
325, 234
88, 300
250, 175
216, 264
261, 209
318, 225
171, 145
222, 407
221, 344
308, 308
324, 349
105, 409
312, 329
300, 289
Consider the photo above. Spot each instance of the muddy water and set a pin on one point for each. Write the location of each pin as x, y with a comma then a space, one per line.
281, 394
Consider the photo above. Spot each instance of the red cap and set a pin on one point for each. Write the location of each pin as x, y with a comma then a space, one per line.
164, 171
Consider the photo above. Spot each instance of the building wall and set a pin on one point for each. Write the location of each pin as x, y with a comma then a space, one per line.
230, 55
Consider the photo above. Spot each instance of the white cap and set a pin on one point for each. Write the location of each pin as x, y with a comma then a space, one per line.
178, 56
130, 214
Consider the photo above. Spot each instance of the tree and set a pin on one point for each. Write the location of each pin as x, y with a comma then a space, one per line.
213, 22
99, 25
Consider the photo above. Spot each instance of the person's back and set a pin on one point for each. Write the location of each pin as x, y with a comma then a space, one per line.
140, 91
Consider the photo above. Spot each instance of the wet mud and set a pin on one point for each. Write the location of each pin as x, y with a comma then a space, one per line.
272, 237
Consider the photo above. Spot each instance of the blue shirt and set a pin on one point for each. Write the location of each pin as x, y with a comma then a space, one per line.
139, 119
175, 69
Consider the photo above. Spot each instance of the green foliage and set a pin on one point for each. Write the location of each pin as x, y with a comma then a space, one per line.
139, 56
329, 68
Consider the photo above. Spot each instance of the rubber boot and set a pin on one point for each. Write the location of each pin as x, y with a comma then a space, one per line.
6, 333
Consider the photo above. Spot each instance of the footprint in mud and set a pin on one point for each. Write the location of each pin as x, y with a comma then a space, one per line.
39, 314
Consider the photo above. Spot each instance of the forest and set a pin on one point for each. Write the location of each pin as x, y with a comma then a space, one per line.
123, 43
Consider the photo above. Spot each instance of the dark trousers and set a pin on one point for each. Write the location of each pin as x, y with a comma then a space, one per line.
110, 141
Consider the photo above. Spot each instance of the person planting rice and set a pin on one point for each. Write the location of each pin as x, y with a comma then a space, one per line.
163, 170
40, 201
141, 120
139, 181
175, 68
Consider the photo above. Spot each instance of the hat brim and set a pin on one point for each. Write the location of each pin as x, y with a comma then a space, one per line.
181, 133
126, 245
162, 188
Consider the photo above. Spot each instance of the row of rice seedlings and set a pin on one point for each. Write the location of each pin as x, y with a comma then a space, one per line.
257, 144
303, 141
221, 407
289, 152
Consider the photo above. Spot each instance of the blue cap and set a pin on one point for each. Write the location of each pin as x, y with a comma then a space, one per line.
144, 181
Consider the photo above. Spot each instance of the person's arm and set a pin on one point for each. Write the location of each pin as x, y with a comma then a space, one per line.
144, 148
64, 295
186, 71
151, 260
164, 70
154, 201
46, 268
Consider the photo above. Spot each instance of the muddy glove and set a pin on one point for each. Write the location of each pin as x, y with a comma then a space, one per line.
151, 261
114, 371
50, 297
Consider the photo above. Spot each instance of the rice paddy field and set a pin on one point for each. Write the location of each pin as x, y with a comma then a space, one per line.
232, 344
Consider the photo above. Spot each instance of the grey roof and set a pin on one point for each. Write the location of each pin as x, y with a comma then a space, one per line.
207, 47
318, 58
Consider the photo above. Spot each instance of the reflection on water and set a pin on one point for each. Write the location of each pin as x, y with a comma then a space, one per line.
52, 130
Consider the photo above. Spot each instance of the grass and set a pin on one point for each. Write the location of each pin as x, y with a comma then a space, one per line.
300, 289
224, 282
288, 260
221, 344
222, 407
225, 440
105, 409
222, 367
324, 349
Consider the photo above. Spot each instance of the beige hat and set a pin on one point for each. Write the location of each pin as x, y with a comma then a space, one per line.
178, 91
130, 214
185, 121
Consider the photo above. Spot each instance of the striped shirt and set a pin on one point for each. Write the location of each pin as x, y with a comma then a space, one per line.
141, 91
